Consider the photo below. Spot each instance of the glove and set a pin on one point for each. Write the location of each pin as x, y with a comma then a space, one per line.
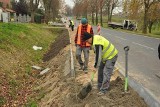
95, 65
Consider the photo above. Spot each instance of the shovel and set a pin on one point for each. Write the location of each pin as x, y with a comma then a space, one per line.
126, 49
86, 89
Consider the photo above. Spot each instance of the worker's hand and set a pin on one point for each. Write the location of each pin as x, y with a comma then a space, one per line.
95, 65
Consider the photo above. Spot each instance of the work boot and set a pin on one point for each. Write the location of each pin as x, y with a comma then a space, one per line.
100, 93
85, 69
81, 67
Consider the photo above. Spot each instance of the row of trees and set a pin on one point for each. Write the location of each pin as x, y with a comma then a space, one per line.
146, 11
95, 7
47, 8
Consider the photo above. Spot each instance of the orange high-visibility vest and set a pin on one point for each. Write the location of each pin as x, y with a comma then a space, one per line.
79, 34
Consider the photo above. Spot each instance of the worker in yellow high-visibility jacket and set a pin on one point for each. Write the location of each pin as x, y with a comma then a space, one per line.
106, 57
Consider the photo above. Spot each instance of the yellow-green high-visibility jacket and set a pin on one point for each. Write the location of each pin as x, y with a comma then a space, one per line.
108, 51
72, 22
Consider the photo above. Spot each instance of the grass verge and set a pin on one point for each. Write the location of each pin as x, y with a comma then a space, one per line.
17, 56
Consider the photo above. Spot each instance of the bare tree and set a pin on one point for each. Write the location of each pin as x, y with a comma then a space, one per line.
102, 3
33, 7
96, 3
55, 5
92, 8
147, 5
77, 9
85, 7
153, 15
51, 9
111, 4
68, 10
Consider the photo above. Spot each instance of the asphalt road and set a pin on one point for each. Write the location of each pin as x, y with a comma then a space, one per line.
143, 62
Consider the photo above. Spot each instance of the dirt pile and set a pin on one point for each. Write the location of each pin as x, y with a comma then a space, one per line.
61, 41
58, 90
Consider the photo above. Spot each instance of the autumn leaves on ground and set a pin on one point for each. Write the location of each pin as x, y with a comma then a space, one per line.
17, 56
21, 85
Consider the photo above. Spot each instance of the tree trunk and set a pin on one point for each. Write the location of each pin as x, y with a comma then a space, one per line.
110, 17
101, 20
96, 13
150, 26
108, 12
86, 14
145, 22
92, 17
111, 11
32, 16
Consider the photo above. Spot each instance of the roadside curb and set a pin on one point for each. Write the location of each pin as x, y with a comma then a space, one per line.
143, 92
71, 56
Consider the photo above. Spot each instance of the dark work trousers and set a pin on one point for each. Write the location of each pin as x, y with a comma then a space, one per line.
86, 55
72, 27
104, 73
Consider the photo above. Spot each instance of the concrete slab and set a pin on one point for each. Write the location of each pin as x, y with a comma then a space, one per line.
44, 71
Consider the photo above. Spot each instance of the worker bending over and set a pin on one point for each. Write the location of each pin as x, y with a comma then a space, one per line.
105, 59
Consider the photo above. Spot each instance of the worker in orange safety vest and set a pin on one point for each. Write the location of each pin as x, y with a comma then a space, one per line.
82, 45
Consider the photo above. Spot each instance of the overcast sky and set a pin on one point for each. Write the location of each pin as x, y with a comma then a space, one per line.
69, 2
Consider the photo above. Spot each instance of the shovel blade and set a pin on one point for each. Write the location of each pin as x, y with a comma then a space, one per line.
84, 91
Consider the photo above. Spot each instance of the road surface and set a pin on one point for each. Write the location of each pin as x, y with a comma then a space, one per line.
143, 62
143, 65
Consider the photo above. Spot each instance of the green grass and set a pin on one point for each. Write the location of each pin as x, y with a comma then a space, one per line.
17, 54
31, 104
23, 37
2, 100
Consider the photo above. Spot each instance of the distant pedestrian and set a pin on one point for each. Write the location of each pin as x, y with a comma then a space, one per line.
71, 25
159, 51
98, 29
81, 45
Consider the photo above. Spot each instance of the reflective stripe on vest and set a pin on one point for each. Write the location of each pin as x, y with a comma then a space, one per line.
104, 59
109, 51
79, 34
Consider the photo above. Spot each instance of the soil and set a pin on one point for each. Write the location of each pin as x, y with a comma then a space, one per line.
59, 90
60, 42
